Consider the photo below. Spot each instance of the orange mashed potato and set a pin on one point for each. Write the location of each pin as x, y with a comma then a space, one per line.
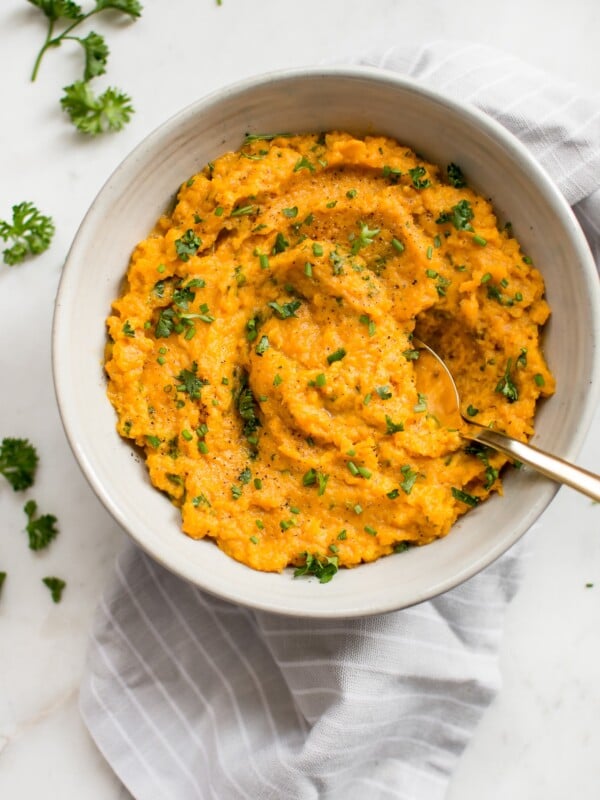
261, 352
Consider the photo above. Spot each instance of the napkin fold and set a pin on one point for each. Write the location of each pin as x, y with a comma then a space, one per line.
188, 696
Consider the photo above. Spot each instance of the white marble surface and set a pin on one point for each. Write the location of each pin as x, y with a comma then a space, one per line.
541, 737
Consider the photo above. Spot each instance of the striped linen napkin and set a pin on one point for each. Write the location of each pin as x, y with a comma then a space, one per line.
189, 697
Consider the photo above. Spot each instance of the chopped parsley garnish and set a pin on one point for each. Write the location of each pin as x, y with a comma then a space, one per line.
460, 216
281, 243
247, 407
479, 240
277, 380
317, 249
41, 530
351, 194
464, 497
153, 441
264, 137
324, 569
262, 346
236, 491
337, 355
365, 319
364, 238
287, 309
397, 245
201, 500
402, 547
252, 328
539, 379
371, 531
384, 392
472, 411
421, 405
18, 462
190, 383
393, 174
417, 176
505, 385
394, 494
286, 524
243, 211
393, 427
56, 586
410, 476
313, 478
290, 213
410, 355
245, 476
188, 245
29, 232
455, 176
128, 330
304, 163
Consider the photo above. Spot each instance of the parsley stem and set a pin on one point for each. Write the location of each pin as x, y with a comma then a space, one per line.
55, 42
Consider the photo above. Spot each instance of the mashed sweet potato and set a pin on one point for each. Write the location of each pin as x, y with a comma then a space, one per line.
261, 353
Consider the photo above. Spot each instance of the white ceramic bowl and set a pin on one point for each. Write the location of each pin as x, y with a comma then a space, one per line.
362, 101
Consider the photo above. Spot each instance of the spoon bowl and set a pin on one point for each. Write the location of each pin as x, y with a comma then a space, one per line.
444, 401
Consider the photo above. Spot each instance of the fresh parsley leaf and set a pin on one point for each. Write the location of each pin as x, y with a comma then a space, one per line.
505, 385
18, 462
460, 216
393, 427
455, 176
247, 408
262, 346
58, 9
56, 586
286, 310
41, 530
323, 569
416, 175
96, 55
187, 245
131, 7
30, 233
365, 237
281, 244
410, 478
190, 383
468, 499
92, 114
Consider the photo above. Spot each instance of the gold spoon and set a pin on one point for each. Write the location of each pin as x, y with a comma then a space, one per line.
447, 405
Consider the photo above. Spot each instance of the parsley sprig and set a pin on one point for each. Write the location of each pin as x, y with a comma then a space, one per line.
18, 462
40, 529
90, 113
30, 233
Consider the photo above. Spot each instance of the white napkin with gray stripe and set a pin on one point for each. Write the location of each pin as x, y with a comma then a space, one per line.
191, 697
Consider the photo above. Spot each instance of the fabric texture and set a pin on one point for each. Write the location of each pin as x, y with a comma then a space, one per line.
191, 697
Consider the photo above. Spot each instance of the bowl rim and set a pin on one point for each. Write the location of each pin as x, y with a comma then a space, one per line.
60, 335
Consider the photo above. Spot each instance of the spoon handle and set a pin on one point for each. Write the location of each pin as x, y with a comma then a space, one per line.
550, 466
